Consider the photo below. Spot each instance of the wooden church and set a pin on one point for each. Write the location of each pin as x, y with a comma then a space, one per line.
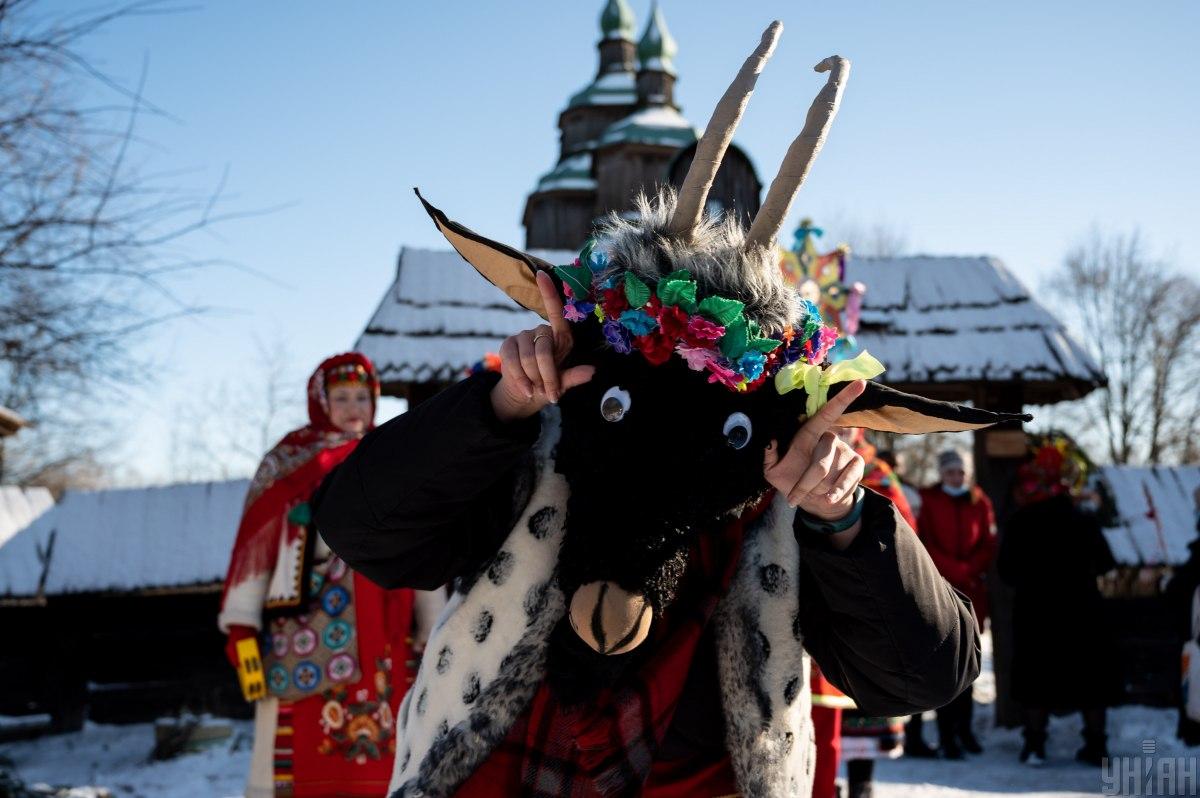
623, 132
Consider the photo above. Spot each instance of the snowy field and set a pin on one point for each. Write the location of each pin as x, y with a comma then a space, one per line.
117, 757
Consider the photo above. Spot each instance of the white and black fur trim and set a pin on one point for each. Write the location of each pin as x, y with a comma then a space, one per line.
763, 668
486, 656
715, 253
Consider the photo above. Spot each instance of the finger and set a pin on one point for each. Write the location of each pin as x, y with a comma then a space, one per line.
576, 375
847, 481
827, 416
529, 361
543, 352
789, 466
819, 466
553, 305
843, 456
511, 369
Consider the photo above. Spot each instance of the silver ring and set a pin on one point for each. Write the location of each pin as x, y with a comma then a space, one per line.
539, 337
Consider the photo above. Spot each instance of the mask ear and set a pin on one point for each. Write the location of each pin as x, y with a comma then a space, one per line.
885, 409
510, 270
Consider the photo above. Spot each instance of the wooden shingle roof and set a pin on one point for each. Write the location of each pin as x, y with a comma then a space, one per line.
125, 540
940, 322
960, 320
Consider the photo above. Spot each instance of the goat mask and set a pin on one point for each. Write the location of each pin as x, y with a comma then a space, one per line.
668, 436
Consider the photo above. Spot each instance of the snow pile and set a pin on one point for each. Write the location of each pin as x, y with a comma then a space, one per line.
118, 758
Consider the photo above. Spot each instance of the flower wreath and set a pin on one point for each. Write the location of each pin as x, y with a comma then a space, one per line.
710, 333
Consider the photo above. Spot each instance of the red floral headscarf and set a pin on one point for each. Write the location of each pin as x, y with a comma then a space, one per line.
294, 468
1056, 465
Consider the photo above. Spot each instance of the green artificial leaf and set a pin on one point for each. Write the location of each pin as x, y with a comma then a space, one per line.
735, 339
637, 292
586, 252
721, 310
674, 291
765, 345
680, 274
578, 277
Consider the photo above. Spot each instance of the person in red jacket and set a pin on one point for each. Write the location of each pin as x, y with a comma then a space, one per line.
958, 528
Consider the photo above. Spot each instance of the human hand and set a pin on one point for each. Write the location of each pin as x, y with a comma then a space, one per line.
820, 472
530, 362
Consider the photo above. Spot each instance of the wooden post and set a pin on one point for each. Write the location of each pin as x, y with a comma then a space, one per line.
998, 453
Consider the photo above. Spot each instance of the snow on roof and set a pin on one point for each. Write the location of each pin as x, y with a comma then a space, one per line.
439, 317
928, 319
611, 88
953, 319
572, 172
661, 125
124, 540
1155, 512
19, 507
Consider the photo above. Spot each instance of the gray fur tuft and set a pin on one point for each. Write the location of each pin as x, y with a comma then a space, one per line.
715, 253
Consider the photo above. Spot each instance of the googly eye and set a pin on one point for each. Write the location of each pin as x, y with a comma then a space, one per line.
737, 430
615, 404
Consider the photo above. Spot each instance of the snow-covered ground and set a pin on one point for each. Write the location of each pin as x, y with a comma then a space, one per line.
996, 770
117, 757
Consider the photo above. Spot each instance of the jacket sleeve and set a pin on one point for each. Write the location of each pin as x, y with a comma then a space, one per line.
429, 495
884, 626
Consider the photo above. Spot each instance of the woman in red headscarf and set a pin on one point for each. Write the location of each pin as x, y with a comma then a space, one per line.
336, 649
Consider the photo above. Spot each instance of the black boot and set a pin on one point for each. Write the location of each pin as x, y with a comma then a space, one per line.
949, 723
1095, 749
969, 742
1034, 751
860, 778
917, 748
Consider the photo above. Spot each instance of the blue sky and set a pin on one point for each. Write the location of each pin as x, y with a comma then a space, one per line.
1004, 128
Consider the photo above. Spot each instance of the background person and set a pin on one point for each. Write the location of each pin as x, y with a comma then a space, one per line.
958, 527
1051, 554
336, 648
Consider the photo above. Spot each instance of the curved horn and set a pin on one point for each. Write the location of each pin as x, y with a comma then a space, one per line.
711, 148
801, 154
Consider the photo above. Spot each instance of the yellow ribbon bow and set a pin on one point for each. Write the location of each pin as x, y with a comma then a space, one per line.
816, 381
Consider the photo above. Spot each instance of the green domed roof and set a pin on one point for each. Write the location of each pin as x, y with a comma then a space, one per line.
616, 20
657, 48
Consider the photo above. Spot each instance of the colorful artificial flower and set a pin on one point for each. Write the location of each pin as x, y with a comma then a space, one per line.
673, 322
711, 333
656, 348
752, 364
701, 331
638, 322
696, 357
719, 372
617, 336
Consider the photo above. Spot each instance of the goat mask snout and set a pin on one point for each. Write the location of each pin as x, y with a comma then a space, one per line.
610, 619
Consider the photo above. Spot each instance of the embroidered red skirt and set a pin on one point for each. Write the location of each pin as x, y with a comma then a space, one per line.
341, 742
